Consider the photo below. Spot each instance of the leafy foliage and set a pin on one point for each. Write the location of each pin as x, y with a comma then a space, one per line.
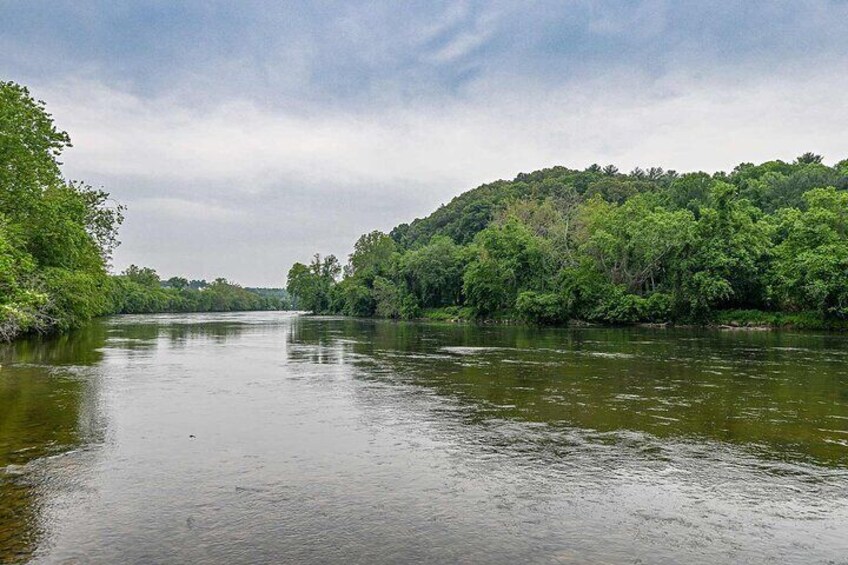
598, 245
810, 268
311, 284
138, 290
56, 236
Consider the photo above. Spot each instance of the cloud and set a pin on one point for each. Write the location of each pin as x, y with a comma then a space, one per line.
245, 138
494, 131
180, 209
338, 174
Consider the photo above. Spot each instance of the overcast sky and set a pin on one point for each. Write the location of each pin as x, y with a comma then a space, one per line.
244, 136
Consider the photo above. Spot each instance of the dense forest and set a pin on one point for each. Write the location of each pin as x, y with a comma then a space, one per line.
57, 237
765, 244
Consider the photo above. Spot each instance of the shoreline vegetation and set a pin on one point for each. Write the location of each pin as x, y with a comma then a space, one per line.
760, 246
57, 237
764, 245
138, 290
753, 320
722, 319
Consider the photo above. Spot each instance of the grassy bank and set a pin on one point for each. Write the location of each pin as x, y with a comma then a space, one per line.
777, 320
741, 319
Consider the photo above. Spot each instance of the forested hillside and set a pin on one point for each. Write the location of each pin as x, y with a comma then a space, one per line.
604, 246
57, 236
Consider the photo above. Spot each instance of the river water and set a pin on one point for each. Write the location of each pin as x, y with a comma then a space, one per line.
269, 437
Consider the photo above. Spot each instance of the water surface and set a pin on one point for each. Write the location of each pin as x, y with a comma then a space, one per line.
265, 437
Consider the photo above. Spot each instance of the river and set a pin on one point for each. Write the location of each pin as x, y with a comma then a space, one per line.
271, 437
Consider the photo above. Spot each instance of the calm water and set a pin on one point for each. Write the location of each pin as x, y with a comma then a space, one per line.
244, 438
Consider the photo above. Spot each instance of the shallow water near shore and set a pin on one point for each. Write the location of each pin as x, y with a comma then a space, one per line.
270, 437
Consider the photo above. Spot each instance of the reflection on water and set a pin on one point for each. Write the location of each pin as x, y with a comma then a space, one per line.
264, 437
782, 395
145, 332
47, 407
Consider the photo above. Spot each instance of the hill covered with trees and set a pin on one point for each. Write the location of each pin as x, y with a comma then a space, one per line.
765, 242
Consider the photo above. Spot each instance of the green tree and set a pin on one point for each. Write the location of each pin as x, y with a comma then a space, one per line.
30, 146
728, 256
312, 285
810, 269
58, 234
144, 276
509, 259
635, 244
434, 272
371, 257
178, 283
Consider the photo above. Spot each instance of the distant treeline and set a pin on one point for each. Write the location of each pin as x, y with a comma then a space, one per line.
138, 290
599, 245
57, 236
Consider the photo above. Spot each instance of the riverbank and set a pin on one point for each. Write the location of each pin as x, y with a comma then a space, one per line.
136, 291
725, 319
752, 319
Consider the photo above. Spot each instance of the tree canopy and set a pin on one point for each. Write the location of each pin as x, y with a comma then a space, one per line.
139, 290
56, 236
600, 245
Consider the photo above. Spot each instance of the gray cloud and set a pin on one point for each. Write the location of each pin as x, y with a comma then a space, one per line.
245, 139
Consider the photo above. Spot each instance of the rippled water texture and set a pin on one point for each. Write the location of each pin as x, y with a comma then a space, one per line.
244, 438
